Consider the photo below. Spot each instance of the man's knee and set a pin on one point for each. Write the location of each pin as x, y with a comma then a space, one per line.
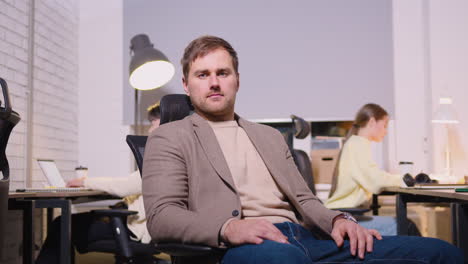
439, 250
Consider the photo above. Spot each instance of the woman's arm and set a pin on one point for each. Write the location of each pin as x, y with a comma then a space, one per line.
118, 186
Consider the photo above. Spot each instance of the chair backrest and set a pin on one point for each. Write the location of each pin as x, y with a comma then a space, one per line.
300, 129
8, 120
303, 164
137, 145
174, 107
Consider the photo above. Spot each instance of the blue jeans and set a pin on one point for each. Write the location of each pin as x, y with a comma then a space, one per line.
386, 225
305, 248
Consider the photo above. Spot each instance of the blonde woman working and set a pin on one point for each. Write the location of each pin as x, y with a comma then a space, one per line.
357, 176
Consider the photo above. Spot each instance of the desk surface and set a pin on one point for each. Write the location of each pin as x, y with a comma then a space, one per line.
445, 193
15, 195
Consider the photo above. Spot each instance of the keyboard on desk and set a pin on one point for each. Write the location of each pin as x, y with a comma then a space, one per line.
55, 189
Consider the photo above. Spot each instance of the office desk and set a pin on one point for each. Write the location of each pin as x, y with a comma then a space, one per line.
27, 202
458, 204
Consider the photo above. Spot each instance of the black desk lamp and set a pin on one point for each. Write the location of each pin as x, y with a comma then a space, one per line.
149, 68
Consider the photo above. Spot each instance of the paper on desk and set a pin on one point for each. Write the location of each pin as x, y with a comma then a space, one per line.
439, 186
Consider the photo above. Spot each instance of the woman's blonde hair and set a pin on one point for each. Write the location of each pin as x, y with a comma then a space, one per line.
363, 116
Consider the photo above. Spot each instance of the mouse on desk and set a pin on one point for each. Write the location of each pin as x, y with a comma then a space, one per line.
420, 178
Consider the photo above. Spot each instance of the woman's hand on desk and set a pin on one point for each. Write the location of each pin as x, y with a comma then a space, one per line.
76, 182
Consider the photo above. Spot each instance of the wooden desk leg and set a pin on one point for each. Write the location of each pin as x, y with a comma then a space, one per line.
28, 232
459, 226
65, 232
27, 206
50, 216
65, 225
401, 215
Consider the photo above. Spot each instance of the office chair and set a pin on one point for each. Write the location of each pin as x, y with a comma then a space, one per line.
173, 107
300, 129
303, 165
8, 120
124, 249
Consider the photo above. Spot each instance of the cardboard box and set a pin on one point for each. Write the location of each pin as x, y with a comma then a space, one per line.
431, 220
323, 162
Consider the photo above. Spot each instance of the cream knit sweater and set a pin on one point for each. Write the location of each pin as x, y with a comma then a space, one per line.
359, 176
259, 195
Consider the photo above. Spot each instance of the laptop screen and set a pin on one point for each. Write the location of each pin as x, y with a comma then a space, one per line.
50, 170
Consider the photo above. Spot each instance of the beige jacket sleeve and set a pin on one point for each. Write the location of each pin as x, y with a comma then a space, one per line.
314, 212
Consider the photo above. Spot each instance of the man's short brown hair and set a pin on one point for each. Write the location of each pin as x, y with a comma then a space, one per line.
203, 45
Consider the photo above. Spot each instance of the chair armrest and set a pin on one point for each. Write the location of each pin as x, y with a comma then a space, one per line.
114, 212
117, 218
186, 250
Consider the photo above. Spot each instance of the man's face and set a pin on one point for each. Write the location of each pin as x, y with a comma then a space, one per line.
212, 85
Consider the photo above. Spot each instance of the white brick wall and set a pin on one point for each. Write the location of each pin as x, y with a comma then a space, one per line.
13, 68
55, 85
55, 95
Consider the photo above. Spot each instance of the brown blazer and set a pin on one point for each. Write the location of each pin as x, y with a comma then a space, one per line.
189, 192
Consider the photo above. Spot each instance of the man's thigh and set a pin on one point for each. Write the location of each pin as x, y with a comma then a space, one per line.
268, 252
391, 249
303, 247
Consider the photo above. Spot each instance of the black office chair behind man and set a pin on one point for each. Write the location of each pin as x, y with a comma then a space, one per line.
300, 129
8, 120
173, 107
125, 249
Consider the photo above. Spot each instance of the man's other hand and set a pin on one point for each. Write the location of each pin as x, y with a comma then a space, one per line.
360, 238
252, 231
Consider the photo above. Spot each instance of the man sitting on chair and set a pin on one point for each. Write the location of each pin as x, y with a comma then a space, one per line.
217, 179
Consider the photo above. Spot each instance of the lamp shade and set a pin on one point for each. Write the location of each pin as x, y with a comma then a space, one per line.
445, 113
149, 67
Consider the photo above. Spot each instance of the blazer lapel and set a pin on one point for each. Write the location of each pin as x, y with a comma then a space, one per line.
211, 147
269, 153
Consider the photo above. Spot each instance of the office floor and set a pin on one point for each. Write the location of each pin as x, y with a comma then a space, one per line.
90, 258
103, 258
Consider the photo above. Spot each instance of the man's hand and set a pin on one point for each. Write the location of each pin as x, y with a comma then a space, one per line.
360, 238
252, 231
76, 182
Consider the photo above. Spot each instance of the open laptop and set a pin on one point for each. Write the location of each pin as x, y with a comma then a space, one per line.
54, 178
